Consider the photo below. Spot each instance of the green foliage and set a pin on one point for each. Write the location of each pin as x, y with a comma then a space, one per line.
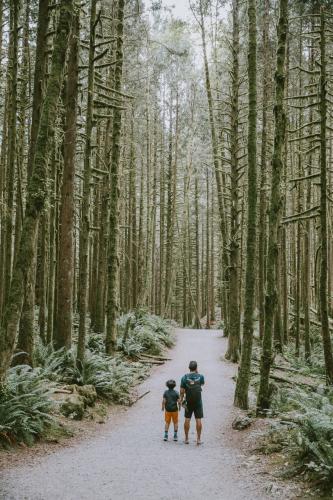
317, 365
309, 436
25, 406
146, 333
25, 403
112, 378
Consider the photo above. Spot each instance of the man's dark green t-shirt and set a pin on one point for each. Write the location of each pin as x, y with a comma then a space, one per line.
171, 400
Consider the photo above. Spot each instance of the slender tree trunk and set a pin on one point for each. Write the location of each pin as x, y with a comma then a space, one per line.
323, 204
86, 198
65, 276
234, 324
14, 6
218, 177
26, 327
263, 171
243, 379
113, 263
275, 209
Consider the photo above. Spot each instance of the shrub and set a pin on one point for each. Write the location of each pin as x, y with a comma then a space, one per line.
309, 440
112, 378
145, 333
25, 406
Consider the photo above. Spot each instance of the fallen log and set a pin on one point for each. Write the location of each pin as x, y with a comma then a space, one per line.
288, 381
162, 358
292, 370
151, 361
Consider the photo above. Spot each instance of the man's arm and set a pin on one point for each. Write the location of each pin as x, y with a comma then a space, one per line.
163, 404
182, 394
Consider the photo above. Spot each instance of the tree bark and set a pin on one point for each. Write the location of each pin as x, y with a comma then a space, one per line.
65, 275
37, 192
275, 209
243, 379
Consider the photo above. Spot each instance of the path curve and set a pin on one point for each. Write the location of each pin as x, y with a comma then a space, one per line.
127, 459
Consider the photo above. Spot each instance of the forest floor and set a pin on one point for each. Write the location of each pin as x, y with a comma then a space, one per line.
127, 458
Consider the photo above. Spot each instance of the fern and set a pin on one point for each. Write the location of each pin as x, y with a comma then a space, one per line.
25, 406
309, 439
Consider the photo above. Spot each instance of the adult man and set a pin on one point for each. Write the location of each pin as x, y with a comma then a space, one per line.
191, 387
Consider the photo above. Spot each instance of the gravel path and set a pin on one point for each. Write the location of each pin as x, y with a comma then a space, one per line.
128, 459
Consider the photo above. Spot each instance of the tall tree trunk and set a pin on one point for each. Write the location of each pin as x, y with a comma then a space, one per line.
113, 262
65, 275
14, 7
218, 177
323, 204
275, 209
86, 197
234, 331
26, 327
37, 191
243, 379
263, 170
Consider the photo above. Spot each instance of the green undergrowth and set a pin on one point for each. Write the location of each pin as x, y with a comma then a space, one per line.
302, 417
303, 430
27, 408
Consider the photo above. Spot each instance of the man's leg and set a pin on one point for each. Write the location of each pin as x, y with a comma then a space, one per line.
199, 429
187, 428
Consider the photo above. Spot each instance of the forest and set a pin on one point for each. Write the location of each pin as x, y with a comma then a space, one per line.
159, 173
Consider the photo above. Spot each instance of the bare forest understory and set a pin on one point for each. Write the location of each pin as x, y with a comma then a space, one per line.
164, 167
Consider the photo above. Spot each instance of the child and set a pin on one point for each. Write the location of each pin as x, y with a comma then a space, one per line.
170, 404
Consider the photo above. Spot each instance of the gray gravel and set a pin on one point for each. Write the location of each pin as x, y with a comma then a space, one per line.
128, 459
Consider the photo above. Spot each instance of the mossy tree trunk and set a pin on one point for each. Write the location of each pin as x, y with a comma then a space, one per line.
275, 209
65, 275
323, 292
113, 259
37, 191
26, 328
262, 228
14, 12
234, 321
243, 379
86, 195
216, 161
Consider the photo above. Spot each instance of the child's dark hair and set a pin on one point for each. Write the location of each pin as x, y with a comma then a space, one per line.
171, 384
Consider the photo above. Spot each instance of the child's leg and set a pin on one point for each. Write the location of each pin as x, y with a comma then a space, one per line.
167, 425
167, 421
175, 425
175, 421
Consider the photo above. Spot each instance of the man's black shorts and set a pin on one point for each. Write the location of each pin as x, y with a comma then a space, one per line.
197, 410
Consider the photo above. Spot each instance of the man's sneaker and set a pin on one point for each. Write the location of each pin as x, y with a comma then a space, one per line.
165, 436
175, 436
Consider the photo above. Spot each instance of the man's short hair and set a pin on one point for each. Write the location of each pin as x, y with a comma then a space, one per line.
193, 366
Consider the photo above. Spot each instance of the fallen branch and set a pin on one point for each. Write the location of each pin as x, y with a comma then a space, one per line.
131, 403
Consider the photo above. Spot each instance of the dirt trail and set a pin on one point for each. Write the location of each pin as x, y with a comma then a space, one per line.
127, 459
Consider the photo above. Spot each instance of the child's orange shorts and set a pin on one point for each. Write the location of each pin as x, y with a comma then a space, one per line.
171, 415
